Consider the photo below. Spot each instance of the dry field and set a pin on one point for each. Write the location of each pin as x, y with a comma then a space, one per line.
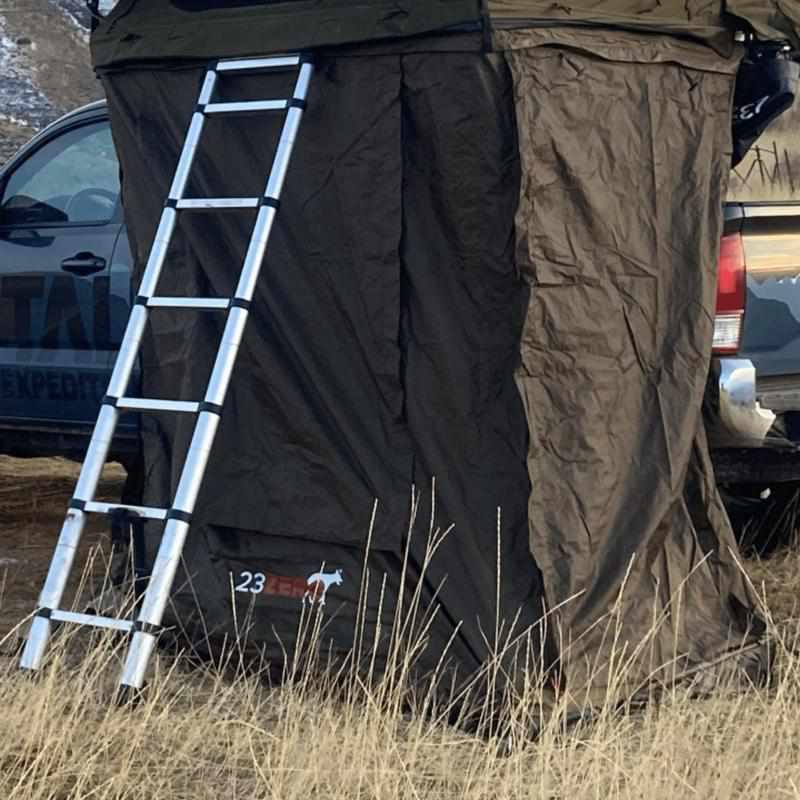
206, 734
33, 497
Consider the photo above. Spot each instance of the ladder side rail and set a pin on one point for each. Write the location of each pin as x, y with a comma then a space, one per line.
55, 584
177, 527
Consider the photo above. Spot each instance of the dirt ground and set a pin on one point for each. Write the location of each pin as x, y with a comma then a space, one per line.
33, 498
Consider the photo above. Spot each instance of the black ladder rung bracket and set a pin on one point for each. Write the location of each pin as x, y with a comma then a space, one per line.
179, 516
146, 627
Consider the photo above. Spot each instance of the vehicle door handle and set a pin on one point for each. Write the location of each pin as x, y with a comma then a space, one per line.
83, 264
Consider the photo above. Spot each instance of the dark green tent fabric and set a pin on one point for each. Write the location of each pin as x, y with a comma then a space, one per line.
380, 354
144, 30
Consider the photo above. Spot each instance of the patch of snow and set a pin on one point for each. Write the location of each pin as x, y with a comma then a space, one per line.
8, 562
77, 13
21, 100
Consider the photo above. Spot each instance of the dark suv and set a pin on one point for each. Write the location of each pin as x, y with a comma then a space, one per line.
65, 293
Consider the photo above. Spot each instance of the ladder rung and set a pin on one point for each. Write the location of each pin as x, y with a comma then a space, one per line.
246, 107
211, 303
142, 511
207, 203
258, 64
145, 404
92, 620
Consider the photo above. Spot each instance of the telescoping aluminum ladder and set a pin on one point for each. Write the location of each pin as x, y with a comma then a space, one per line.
146, 627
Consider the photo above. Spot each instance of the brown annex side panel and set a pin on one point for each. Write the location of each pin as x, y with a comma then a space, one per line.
624, 169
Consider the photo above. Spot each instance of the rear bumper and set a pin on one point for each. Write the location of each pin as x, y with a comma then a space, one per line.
749, 443
781, 393
742, 420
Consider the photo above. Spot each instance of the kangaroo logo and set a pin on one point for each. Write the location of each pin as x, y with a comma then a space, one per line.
318, 585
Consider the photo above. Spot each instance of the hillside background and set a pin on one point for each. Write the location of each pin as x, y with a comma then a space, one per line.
44, 66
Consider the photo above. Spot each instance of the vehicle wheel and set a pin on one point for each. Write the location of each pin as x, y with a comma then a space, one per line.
764, 519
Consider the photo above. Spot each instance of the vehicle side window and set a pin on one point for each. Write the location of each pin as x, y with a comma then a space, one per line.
770, 172
73, 179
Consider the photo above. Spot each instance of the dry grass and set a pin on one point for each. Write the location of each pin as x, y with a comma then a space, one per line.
204, 735
210, 734
778, 580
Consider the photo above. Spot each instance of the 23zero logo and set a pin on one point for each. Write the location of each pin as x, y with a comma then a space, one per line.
253, 583
257, 583
311, 590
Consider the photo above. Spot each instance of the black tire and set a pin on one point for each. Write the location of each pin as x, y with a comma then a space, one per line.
763, 525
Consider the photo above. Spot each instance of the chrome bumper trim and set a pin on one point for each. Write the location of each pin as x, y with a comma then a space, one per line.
740, 412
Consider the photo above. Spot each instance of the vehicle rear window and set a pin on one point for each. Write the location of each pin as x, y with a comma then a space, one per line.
771, 170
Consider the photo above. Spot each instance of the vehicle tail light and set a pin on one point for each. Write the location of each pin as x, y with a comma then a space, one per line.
731, 293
